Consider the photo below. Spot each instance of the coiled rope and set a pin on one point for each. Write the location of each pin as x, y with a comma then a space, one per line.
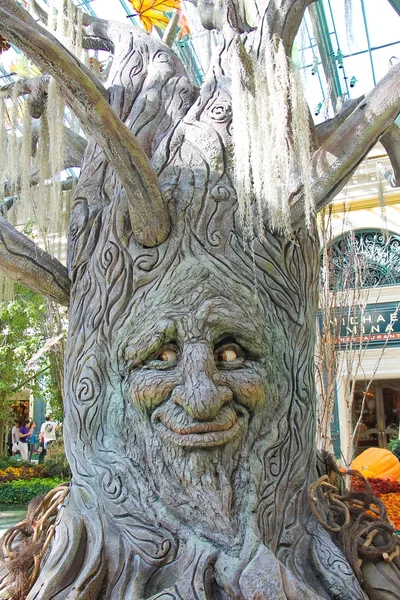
24, 545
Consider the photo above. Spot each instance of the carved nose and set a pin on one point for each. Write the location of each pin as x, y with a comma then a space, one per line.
199, 396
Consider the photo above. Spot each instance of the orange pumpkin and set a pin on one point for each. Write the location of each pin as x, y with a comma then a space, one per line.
377, 462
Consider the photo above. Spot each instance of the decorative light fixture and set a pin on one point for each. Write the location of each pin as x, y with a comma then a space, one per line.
317, 109
314, 68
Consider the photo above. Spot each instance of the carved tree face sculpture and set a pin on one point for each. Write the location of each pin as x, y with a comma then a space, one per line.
191, 420
202, 382
189, 379
189, 409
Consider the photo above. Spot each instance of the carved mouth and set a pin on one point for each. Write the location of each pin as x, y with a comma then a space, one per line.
174, 425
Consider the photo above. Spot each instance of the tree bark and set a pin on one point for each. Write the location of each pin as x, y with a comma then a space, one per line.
23, 261
189, 382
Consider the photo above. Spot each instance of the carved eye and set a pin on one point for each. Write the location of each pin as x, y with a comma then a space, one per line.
229, 354
165, 358
168, 355
161, 57
226, 356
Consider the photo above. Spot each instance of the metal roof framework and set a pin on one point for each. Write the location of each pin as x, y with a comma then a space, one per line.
326, 50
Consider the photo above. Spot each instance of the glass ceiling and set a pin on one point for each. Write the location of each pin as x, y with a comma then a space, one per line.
345, 47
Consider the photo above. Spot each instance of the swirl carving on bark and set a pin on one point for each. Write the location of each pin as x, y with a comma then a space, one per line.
190, 476
209, 517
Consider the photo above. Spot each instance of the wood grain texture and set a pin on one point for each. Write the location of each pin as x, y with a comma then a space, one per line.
23, 261
190, 474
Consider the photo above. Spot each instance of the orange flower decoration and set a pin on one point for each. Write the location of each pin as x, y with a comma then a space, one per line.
392, 504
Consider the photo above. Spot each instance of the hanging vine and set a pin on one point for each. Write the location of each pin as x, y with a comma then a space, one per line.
264, 182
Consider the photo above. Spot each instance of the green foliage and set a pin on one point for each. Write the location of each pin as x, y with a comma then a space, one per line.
22, 322
22, 492
50, 391
56, 461
394, 446
23, 331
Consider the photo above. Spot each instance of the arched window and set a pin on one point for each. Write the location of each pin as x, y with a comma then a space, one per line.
363, 259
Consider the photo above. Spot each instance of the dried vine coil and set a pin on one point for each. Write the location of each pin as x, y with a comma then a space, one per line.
360, 521
24, 545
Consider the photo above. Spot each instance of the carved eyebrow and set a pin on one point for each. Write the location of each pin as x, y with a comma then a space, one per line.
250, 340
222, 325
141, 346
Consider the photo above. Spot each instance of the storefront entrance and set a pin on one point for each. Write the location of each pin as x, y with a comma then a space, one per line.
380, 421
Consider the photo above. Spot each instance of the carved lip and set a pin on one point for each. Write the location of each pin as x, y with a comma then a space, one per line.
200, 434
200, 427
200, 440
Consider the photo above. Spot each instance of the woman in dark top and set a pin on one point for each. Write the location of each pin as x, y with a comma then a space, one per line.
32, 439
24, 434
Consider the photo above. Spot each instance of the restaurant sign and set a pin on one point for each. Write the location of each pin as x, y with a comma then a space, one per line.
375, 325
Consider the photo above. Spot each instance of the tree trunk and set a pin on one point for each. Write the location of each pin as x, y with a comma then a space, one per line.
197, 466
189, 383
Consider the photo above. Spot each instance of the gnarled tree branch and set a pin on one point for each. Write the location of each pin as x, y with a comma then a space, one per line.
88, 99
327, 128
346, 147
23, 261
95, 31
391, 142
35, 87
282, 18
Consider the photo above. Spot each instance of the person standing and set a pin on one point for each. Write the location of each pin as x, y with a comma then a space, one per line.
47, 436
24, 434
15, 438
32, 438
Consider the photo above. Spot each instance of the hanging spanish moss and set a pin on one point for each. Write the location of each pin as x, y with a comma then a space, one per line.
33, 179
78, 33
25, 202
264, 183
61, 20
70, 33
42, 194
52, 17
65, 20
301, 135
348, 16
3, 143
243, 104
55, 116
12, 154
36, 197
304, 43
